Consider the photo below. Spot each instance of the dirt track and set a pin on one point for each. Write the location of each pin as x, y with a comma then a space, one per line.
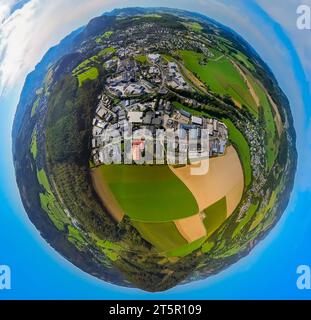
106, 196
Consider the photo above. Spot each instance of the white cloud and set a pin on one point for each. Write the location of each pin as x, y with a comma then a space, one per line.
29, 32
286, 16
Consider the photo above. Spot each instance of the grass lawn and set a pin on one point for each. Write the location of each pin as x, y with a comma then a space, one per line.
221, 76
163, 236
187, 249
242, 147
34, 145
90, 74
216, 214
149, 193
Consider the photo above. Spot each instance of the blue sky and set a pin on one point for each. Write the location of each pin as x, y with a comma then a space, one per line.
269, 272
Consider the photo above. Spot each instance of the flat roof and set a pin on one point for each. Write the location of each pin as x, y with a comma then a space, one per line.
135, 117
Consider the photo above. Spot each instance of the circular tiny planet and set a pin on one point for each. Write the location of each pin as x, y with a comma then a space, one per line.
153, 147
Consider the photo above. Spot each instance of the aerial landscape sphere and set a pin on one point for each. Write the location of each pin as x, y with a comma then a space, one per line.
100, 175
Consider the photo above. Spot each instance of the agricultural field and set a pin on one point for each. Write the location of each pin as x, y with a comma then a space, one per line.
87, 70
215, 216
250, 213
270, 122
49, 204
149, 193
90, 74
193, 26
164, 236
164, 205
34, 145
244, 60
223, 179
104, 37
142, 59
35, 107
220, 75
242, 147
187, 248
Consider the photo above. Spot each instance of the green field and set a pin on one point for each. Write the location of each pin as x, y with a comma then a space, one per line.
149, 193
244, 60
34, 145
76, 237
238, 140
87, 70
251, 211
104, 37
262, 214
194, 26
221, 76
142, 59
216, 214
187, 248
163, 236
35, 107
43, 180
90, 74
270, 126
49, 204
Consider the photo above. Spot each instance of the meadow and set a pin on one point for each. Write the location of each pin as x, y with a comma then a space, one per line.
220, 75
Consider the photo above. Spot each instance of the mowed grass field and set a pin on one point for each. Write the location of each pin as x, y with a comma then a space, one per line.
149, 193
220, 75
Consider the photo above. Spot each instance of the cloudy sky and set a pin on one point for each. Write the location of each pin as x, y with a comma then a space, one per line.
29, 27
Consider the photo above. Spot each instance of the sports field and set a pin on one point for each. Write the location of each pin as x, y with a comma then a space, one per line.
149, 193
